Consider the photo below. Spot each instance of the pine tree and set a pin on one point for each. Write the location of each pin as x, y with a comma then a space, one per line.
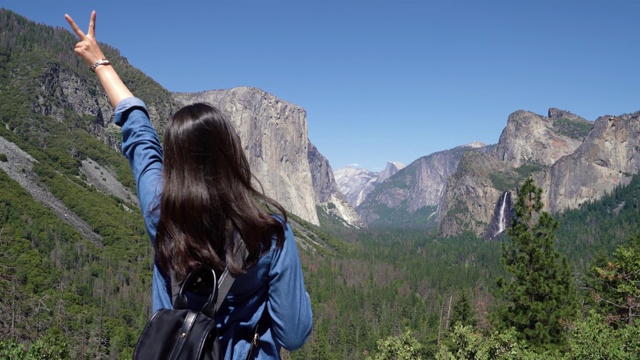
615, 284
541, 297
463, 313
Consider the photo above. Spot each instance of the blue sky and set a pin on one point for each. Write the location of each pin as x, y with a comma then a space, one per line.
383, 80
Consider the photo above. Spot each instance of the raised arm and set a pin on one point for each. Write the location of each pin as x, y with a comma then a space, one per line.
90, 52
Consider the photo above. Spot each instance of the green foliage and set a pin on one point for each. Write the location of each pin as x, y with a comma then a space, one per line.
463, 313
575, 129
3, 157
600, 226
49, 348
400, 217
593, 339
506, 181
401, 347
614, 285
541, 298
465, 343
526, 170
502, 182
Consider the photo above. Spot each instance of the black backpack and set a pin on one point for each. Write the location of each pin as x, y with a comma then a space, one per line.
181, 333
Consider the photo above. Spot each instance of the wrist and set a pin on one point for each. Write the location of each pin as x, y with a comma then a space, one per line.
99, 63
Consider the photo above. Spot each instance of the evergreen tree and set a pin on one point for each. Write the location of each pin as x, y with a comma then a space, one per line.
615, 284
541, 298
463, 313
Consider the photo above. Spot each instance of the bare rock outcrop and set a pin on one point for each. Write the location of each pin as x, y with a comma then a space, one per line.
530, 138
327, 194
608, 157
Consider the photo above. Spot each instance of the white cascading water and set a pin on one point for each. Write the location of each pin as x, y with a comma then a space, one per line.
502, 220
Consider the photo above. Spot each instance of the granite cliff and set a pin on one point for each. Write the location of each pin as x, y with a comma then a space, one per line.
573, 160
608, 157
327, 194
275, 137
411, 195
470, 188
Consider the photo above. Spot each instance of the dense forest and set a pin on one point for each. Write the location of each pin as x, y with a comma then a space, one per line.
378, 293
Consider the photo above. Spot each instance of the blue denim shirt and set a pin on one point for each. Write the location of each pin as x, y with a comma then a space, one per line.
274, 285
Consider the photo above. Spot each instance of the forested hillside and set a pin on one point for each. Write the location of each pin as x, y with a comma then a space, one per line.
375, 293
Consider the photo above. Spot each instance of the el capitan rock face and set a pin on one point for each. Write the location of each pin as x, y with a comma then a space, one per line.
275, 139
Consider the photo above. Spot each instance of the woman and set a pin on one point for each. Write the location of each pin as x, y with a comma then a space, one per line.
196, 199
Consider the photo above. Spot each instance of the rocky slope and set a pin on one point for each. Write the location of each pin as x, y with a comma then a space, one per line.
19, 166
608, 157
571, 159
327, 194
355, 183
529, 138
410, 192
472, 192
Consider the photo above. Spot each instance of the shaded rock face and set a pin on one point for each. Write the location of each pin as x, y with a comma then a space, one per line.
608, 157
419, 185
472, 193
326, 189
75, 94
529, 138
274, 136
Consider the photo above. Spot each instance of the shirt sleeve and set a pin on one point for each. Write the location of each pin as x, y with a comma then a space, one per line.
288, 302
141, 146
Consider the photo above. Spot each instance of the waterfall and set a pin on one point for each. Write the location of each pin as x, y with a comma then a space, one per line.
502, 219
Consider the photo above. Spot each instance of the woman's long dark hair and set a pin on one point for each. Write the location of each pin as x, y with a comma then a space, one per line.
207, 196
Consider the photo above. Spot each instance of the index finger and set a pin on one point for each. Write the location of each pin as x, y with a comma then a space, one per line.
92, 25
74, 26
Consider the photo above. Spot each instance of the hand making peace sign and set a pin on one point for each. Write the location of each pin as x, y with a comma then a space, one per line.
90, 52
87, 48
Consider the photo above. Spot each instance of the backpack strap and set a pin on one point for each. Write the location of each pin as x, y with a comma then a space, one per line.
224, 283
227, 278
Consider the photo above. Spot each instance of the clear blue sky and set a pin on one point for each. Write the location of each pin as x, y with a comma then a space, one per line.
383, 80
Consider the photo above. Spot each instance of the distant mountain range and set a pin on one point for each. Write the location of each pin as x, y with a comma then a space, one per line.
464, 189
